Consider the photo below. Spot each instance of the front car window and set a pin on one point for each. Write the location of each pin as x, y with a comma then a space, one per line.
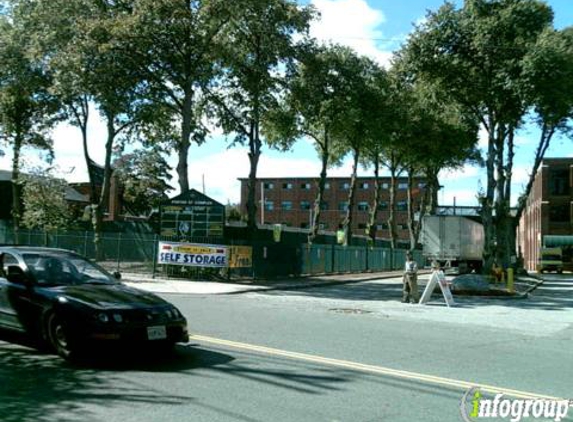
62, 269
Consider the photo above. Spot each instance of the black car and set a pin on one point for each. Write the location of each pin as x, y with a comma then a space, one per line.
70, 303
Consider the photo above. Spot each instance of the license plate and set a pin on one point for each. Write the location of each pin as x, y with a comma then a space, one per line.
156, 333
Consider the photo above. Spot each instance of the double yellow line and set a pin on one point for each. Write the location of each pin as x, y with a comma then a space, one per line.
372, 369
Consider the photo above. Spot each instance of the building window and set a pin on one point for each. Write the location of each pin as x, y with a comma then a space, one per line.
345, 186
304, 205
343, 206
402, 226
382, 226
304, 225
324, 206
559, 182
385, 185
402, 186
305, 186
268, 185
560, 213
363, 185
286, 205
422, 185
363, 206
382, 206
361, 226
402, 206
322, 226
287, 186
327, 185
269, 205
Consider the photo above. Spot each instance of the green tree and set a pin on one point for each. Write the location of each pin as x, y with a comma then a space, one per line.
260, 42
438, 137
52, 28
314, 76
477, 55
106, 75
143, 176
178, 62
27, 110
44, 199
363, 86
549, 68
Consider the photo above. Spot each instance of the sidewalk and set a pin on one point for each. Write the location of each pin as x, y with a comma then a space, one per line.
170, 285
524, 285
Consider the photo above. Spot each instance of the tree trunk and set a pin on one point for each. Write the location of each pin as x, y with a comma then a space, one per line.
104, 196
509, 227
16, 195
487, 202
432, 188
320, 194
373, 214
254, 155
547, 133
347, 225
185, 142
392, 208
413, 227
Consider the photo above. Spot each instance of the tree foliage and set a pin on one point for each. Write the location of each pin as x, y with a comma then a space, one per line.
259, 43
44, 199
27, 109
479, 56
142, 175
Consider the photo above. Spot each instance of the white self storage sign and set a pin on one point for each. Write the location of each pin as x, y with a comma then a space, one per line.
192, 254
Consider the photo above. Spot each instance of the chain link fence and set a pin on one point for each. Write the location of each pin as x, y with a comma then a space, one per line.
137, 253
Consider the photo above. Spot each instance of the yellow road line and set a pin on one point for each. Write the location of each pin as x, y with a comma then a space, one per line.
380, 370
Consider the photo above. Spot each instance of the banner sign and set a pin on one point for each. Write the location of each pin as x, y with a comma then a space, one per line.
191, 254
240, 256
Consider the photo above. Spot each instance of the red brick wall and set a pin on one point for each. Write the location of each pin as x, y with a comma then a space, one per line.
333, 196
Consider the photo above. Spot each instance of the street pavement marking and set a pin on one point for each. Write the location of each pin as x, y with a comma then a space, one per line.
380, 370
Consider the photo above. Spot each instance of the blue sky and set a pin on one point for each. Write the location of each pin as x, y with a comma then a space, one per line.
374, 28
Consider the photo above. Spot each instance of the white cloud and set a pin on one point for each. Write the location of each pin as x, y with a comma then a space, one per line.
466, 172
352, 23
520, 175
222, 171
461, 197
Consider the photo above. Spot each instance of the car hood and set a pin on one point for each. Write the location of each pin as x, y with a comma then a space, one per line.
110, 296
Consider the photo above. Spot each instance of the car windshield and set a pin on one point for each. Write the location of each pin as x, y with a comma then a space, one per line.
62, 269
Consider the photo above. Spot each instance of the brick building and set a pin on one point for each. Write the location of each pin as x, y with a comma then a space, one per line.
547, 214
290, 201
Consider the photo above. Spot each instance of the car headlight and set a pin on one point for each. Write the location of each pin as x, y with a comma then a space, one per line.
103, 318
118, 318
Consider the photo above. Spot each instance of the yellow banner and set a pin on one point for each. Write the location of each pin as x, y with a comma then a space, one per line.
240, 256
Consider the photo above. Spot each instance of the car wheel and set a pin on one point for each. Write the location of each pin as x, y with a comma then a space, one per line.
59, 338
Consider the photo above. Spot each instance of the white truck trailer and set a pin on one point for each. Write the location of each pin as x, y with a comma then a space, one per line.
453, 241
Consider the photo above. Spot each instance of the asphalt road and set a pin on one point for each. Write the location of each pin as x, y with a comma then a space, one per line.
342, 353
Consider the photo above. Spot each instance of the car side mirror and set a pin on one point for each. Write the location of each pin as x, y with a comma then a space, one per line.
117, 275
16, 275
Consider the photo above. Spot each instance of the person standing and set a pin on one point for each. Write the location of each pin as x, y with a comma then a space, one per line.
410, 280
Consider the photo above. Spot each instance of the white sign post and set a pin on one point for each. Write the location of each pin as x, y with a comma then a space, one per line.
439, 278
